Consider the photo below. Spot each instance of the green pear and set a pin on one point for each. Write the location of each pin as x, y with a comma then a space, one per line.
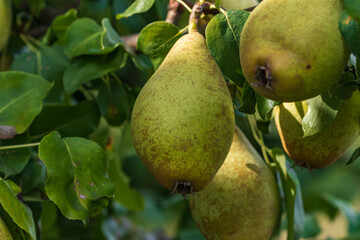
293, 50
5, 22
242, 201
183, 119
325, 147
237, 4
4, 231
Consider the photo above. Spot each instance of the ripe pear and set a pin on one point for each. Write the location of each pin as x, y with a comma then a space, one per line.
237, 4
183, 119
242, 201
325, 147
293, 50
4, 231
5, 22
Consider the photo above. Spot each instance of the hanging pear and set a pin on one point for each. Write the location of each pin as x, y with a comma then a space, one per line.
242, 201
293, 50
5, 22
183, 119
325, 147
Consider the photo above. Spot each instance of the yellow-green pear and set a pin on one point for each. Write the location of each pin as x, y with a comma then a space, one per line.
237, 4
5, 22
4, 231
293, 50
242, 201
325, 147
183, 119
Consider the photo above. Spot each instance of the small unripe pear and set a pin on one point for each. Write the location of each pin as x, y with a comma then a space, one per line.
5, 22
293, 50
325, 147
4, 231
242, 201
183, 119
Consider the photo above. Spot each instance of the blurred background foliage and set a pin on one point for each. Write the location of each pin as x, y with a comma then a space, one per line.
331, 196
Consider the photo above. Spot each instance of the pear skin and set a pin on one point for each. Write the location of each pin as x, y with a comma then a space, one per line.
5, 22
4, 231
325, 147
242, 201
237, 4
183, 119
293, 50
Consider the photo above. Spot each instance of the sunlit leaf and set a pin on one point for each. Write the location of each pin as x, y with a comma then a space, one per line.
17, 210
76, 175
87, 68
21, 96
61, 23
223, 39
156, 40
83, 37
138, 6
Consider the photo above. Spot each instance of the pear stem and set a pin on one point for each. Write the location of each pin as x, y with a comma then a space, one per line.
258, 138
184, 4
20, 146
194, 17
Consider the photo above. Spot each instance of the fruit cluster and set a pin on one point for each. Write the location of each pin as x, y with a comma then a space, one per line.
183, 120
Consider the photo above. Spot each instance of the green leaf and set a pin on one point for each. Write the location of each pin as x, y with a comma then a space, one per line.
265, 106
311, 228
32, 175
86, 68
18, 211
124, 194
217, 4
223, 39
111, 39
83, 37
353, 8
49, 216
113, 103
62, 22
36, 6
13, 161
156, 39
248, 99
138, 6
21, 96
354, 156
318, 116
53, 64
342, 90
76, 175
352, 216
350, 30
293, 198
79, 120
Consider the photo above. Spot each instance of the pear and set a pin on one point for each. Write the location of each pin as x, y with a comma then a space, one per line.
293, 50
242, 201
237, 4
183, 119
5, 22
4, 231
325, 147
